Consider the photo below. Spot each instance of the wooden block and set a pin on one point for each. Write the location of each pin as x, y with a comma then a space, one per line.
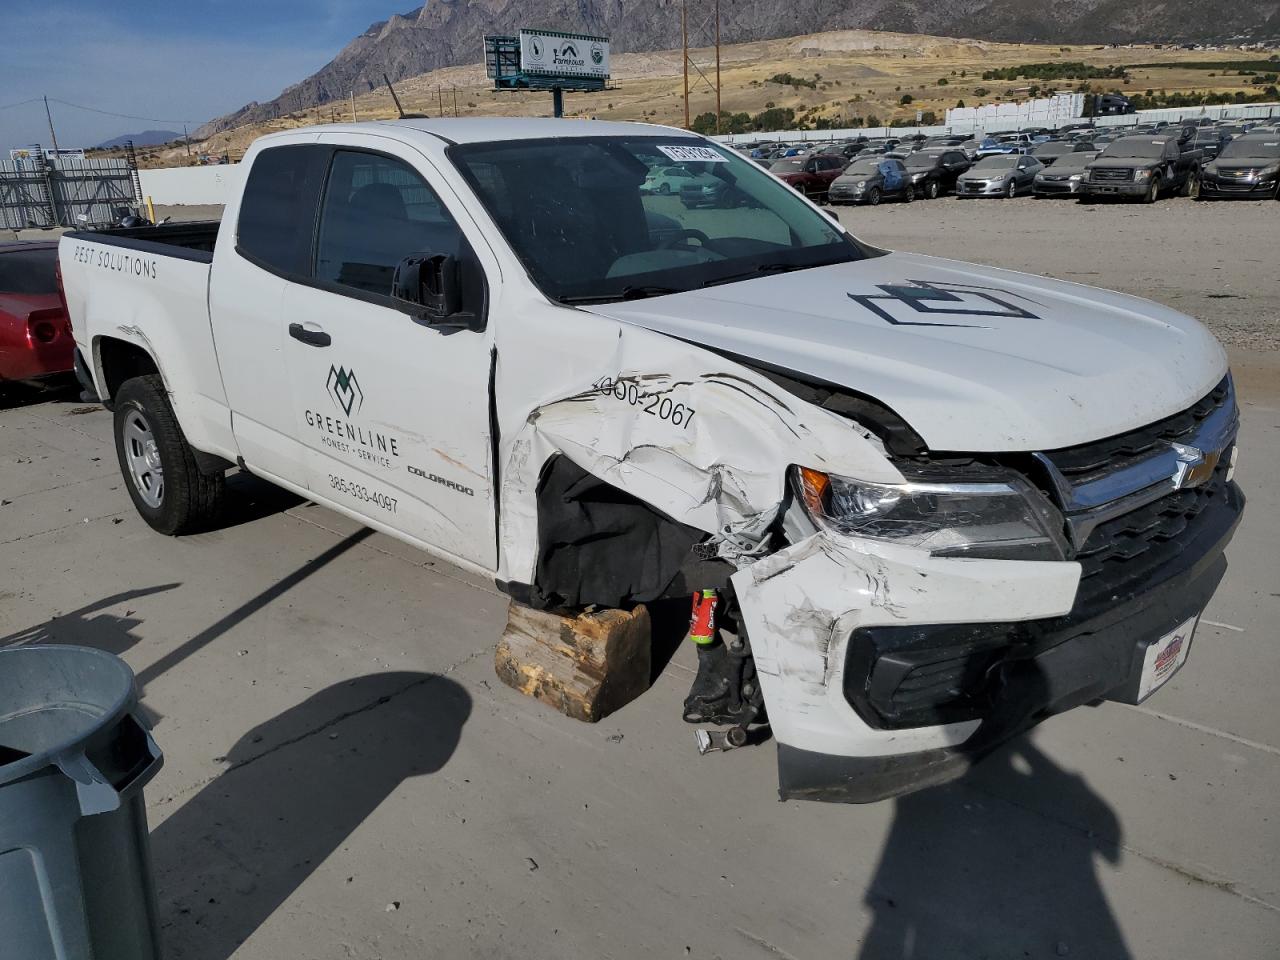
586, 666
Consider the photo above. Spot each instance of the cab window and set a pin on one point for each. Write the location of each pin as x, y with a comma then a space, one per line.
377, 210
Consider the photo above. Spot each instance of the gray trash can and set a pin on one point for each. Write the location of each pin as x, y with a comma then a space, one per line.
75, 868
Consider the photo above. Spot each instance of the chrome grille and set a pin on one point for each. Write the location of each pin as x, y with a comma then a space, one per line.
1111, 174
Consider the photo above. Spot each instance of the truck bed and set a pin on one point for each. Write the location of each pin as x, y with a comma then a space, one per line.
191, 240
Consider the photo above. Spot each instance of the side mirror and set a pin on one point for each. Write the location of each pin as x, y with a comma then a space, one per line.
429, 283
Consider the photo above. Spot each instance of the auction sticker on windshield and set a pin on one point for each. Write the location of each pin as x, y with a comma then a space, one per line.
1164, 657
692, 154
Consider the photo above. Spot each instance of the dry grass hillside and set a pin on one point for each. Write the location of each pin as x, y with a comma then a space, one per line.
856, 73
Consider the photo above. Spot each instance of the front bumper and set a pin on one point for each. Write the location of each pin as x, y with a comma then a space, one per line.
1117, 188
1059, 188
969, 188
1060, 650
1237, 189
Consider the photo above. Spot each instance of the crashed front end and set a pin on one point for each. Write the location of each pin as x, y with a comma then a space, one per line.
887, 662
889, 668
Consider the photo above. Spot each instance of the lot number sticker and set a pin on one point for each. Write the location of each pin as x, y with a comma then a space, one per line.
693, 154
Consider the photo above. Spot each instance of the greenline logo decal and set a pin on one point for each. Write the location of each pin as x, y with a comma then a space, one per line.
344, 390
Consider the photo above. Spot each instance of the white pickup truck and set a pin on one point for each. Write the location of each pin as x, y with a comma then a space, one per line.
938, 501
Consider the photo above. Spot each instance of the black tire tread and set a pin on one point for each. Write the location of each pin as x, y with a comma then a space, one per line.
192, 500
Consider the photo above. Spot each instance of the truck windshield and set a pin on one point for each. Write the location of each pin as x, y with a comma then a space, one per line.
1139, 148
591, 223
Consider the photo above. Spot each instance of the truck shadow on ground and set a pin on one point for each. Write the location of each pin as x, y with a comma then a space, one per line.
295, 789
1001, 863
251, 498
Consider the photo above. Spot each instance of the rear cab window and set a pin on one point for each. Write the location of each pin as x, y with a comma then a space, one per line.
278, 208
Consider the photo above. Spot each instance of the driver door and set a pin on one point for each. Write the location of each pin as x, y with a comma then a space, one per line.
393, 413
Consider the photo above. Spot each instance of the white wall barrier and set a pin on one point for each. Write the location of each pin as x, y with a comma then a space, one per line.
190, 185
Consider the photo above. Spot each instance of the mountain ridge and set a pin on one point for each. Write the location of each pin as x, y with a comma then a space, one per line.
445, 33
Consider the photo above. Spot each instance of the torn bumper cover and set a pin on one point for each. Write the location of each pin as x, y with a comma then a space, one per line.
913, 671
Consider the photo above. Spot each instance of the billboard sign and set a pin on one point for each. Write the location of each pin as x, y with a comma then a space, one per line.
546, 53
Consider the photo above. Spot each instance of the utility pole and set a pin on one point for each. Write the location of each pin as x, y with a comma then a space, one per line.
353, 104
186, 140
455, 101
684, 44
717, 67
440, 99
52, 135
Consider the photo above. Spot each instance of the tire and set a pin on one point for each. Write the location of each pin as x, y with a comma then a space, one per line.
1011, 191
873, 197
1191, 186
909, 194
158, 466
1153, 191
931, 192
664, 189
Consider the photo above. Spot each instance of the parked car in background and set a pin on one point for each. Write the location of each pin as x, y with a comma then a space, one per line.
810, 175
1005, 143
999, 176
671, 180
1066, 178
35, 334
1049, 151
1210, 141
871, 180
1147, 166
1248, 167
933, 172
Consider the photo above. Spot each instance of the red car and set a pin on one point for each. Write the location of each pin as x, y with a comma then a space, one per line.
35, 334
811, 175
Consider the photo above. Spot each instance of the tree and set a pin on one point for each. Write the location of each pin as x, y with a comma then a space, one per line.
906, 99
943, 81
928, 118
873, 120
959, 104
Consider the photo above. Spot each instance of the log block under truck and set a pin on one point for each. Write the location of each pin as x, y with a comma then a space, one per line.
937, 502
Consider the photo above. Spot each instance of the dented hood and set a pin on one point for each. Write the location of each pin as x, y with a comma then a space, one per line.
976, 359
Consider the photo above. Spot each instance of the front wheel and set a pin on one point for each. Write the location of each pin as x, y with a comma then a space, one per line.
1153, 191
158, 465
910, 193
1011, 190
873, 197
931, 191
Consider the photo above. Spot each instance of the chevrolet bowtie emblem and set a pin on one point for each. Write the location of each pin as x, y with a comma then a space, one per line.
1195, 467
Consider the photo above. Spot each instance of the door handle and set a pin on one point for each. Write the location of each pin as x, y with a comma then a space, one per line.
316, 338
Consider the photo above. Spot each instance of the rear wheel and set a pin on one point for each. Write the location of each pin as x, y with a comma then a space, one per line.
158, 464
1191, 188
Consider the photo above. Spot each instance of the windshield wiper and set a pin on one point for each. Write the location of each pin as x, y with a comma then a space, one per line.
637, 292
757, 271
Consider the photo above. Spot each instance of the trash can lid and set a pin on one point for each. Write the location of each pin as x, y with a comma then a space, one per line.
53, 698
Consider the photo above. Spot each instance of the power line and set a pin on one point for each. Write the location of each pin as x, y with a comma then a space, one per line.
20, 103
108, 113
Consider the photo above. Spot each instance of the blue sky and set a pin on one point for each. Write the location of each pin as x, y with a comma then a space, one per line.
169, 59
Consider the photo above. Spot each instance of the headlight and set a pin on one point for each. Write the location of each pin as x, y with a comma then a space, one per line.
1006, 520
859, 186
919, 176
1076, 177
1141, 174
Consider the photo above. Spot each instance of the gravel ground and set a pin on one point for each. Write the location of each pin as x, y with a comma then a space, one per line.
1216, 261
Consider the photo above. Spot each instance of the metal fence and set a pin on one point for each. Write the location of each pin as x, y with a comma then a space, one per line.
35, 192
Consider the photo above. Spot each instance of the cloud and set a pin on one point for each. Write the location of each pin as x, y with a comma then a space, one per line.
174, 76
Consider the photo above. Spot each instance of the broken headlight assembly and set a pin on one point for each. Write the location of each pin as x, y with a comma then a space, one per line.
1002, 520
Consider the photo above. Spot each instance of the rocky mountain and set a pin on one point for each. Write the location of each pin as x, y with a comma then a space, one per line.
450, 32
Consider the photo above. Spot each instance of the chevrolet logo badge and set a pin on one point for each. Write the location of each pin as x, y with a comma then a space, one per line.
1195, 467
